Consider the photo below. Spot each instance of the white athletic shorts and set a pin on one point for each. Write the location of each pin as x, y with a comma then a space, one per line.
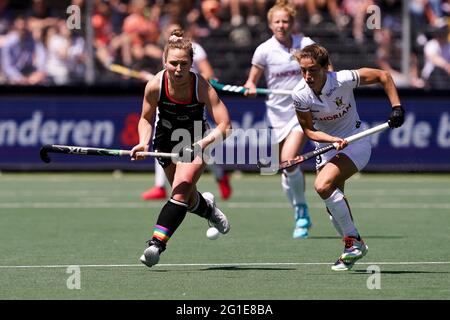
359, 152
280, 132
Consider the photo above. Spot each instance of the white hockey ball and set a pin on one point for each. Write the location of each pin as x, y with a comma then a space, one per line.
212, 233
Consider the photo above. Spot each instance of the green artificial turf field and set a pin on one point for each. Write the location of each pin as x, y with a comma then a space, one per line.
99, 224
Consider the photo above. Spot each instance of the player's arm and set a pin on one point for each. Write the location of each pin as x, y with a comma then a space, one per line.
373, 76
218, 111
145, 125
205, 69
306, 121
252, 80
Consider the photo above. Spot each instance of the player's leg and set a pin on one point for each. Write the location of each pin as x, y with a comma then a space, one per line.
329, 185
204, 205
293, 182
223, 180
169, 219
201, 204
182, 177
328, 180
158, 191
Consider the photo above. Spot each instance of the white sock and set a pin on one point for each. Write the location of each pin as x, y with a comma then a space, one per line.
296, 185
160, 176
340, 211
216, 170
335, 224
286, 188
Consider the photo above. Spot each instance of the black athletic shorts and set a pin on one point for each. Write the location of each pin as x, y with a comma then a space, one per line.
162, 142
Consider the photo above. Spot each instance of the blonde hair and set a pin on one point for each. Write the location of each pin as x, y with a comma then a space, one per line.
282, 5
176, 41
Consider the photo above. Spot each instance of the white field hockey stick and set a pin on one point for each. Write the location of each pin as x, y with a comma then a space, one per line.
241, 89
314, 153
88, 151
117, 68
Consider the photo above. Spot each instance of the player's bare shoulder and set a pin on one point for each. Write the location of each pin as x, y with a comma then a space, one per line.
153, 87
204, 89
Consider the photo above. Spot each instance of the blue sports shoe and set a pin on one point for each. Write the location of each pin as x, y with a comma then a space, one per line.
302, 221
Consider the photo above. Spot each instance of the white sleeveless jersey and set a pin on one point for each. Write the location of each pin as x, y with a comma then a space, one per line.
334, 111
281, 71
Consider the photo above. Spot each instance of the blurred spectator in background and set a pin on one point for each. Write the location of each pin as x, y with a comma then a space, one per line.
424, 14
127, 32
210, 10
436, 71
119, 11
388, 58
22, 57
103, 32
6, 20
76, 55
357, 11
40, 16
252, 10
57, 46
141, 36
319, 10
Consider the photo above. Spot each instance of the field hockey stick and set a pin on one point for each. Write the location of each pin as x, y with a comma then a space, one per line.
319, 151
117, 68
241, 89
88, 151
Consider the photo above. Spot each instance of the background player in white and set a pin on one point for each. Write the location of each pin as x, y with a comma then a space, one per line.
274, 59
201, 66
326, 110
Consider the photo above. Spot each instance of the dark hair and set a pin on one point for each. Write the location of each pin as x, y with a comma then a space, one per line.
316, 53
176, 41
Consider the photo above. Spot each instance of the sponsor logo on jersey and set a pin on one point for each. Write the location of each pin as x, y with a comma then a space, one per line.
183, 118
340, 105
169, 112
334, 116
328, 94
339, 102
166, 123
169, 103
289, 73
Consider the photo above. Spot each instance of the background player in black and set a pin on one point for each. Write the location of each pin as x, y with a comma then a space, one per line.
179, 95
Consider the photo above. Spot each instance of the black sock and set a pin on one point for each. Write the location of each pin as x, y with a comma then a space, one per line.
169, 219
201, 207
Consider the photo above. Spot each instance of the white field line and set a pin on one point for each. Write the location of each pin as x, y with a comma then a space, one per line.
237, 264
232, 205
241, 193
60, 177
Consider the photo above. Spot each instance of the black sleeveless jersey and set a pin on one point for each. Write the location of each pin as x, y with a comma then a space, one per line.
173, 115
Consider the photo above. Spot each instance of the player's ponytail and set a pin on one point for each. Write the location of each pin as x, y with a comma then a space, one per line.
176, 41
282, 5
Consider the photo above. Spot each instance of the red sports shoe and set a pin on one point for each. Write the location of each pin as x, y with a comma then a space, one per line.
155, 193
224, 186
